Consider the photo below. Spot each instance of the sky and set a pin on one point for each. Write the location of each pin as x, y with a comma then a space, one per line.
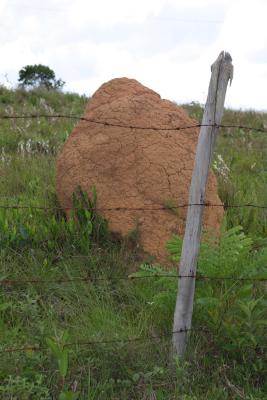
167, 45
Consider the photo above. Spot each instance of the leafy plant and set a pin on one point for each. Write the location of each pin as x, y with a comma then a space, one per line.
85, 220
61, 353
230, 308
234, 310
84, 225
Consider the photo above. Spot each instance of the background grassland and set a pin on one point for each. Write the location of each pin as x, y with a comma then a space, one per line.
226, 361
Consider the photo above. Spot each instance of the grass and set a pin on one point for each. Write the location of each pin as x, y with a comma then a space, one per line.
228, 361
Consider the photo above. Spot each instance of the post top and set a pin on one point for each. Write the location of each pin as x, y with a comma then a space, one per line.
225, 59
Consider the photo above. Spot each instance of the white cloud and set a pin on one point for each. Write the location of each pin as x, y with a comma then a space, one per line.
244, 29
106, 13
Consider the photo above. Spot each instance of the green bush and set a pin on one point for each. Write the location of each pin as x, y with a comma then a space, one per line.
39, 76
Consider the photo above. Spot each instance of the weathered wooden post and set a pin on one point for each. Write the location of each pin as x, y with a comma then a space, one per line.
221, 73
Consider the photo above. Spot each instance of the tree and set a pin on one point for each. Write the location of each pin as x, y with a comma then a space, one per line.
39, 76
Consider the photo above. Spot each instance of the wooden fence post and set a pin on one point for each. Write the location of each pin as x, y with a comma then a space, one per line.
221, 73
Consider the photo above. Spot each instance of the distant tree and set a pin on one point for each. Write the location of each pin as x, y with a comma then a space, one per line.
39, 76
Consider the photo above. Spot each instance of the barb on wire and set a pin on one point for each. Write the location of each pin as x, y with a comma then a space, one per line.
105, 123
7, 282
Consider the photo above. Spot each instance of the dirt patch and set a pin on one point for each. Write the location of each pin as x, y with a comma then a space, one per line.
135, 167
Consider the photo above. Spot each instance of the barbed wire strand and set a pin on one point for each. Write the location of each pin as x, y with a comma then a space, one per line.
38, 348
105, 123
7, 282
160, 208
95, 342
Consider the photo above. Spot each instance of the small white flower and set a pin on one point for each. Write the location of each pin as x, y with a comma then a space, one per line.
5, 159
32, 146
221, 167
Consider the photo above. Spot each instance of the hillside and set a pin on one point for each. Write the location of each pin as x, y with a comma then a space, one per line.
81, 337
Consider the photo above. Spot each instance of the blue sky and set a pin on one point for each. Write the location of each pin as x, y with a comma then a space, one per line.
168, 45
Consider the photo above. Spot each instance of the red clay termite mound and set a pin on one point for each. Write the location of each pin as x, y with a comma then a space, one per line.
134, 166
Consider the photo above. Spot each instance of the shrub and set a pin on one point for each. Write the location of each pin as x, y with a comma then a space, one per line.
38, 76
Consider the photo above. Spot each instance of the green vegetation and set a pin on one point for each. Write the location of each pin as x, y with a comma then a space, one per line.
227, 359
39, 76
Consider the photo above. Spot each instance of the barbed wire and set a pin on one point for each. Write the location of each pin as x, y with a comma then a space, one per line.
105, 123
37, 348
109, 341
160, 208
6, 282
